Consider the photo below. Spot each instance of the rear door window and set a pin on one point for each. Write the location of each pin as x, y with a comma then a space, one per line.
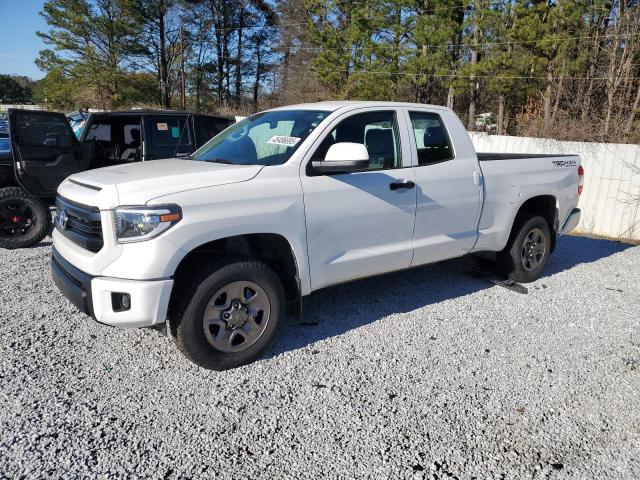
167, 136
168, 132
432, 140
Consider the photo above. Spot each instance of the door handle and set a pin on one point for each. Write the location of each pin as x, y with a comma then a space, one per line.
402, 184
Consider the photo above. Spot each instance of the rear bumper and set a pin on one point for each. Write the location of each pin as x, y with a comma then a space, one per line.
572, 221
93, 295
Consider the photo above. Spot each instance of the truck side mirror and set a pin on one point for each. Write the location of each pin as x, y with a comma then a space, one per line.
343, 157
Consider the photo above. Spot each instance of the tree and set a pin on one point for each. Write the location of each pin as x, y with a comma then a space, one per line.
15, 89
437, 36
157, 45
55, 91
555, 68
92, 44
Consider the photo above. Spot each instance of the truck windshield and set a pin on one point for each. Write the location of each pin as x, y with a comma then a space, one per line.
267, 138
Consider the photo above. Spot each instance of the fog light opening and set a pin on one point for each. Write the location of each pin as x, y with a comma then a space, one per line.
120, 302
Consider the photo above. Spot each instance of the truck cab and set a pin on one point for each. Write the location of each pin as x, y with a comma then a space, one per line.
45, 150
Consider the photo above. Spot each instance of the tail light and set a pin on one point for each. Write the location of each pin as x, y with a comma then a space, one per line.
580, 179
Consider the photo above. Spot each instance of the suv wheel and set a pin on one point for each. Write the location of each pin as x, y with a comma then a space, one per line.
528, 249
229, 315
24, 219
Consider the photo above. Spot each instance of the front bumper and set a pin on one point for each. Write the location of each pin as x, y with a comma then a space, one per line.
92, 295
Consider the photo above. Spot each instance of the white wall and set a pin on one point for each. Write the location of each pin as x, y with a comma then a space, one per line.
4, 108
610, 202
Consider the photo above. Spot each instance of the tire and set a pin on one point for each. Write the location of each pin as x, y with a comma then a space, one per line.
528, 249
24, 219
251, 324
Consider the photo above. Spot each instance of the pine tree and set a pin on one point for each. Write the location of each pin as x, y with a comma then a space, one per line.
95, 40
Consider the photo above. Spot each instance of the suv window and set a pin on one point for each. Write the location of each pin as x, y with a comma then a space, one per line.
169, 131
377, 130
112, 140
432, 139
99, 131
35, 130
167, 136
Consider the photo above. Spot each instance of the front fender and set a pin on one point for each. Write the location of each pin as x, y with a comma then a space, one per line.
271, 203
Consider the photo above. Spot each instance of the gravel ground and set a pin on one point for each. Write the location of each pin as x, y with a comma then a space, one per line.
428, 373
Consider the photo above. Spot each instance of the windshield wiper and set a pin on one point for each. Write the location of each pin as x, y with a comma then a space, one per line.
222, 160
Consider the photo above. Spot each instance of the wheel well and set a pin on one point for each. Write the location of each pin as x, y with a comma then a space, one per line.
545, 206
273, 249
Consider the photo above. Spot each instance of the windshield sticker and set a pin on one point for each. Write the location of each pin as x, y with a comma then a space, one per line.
175, 132
162, 127
282, 140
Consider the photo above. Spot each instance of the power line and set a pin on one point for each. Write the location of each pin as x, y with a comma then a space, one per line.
469, 5
446, 45
452, 75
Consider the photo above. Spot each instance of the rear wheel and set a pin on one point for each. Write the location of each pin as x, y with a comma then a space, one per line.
24, 219
528, 249
229, 315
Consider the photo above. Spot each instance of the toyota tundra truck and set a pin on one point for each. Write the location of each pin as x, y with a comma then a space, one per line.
223, 244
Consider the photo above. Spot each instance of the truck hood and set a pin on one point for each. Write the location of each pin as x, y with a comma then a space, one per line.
138, 183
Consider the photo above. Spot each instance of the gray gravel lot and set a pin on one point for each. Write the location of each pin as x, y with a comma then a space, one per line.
428, 373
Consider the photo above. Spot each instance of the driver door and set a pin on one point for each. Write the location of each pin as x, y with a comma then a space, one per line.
45, 150
361, 223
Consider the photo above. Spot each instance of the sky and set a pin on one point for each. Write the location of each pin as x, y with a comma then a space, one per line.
19, 44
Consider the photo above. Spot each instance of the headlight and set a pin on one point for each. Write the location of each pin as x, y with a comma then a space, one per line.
135, 224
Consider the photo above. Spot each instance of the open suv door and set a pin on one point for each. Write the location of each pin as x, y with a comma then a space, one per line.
45, 150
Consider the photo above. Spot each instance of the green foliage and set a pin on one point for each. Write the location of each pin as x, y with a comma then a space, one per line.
55, 91
15, 89
564, 58
91, 41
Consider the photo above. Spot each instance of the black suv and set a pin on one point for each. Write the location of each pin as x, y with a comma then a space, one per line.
45, 150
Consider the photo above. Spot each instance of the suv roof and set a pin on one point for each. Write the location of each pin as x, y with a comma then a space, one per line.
151, 111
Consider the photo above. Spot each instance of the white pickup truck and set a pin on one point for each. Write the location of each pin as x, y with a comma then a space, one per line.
292, 200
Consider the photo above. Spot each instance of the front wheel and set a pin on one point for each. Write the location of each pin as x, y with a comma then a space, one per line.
528, 249
24, 219
229, 315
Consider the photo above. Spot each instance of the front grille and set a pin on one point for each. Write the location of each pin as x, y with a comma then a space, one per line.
79, 223
92, 229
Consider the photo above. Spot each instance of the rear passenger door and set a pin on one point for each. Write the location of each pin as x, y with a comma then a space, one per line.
167, 136
449, 191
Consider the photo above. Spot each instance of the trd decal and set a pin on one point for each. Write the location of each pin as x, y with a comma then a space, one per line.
564, 163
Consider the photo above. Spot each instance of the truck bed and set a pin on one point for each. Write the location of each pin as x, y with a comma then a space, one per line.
489, 156
510, 178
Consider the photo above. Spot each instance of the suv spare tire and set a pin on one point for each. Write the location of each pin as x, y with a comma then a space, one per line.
24, 219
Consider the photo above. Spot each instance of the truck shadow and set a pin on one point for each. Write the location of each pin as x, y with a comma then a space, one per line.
335, 310
573, 250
